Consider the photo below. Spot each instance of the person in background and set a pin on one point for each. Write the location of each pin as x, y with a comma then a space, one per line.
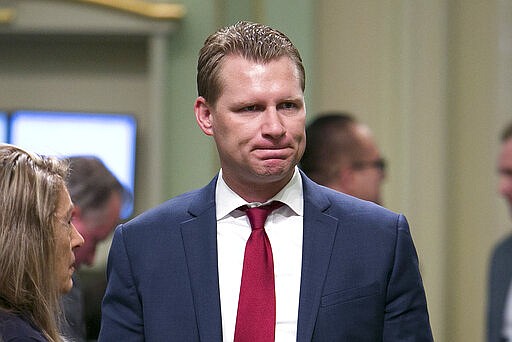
341, 154
204, 266
37, 239
98, 197
499, 301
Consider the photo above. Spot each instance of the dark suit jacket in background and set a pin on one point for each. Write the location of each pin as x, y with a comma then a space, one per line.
73, 323
360, 278
500, 276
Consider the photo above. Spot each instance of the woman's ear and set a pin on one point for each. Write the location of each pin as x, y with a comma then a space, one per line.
203, 115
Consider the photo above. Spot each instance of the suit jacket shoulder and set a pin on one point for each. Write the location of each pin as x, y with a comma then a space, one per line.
175, 210
499, 279
503, 248
347, 207
16, 328
162, 274
360, 274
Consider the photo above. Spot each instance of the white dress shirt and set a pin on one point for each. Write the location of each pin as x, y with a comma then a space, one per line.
284, 230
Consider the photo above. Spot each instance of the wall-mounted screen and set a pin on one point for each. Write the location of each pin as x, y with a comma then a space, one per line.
110, 137
3, 127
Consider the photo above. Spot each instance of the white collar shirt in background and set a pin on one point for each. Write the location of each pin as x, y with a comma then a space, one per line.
284, 230
507, 316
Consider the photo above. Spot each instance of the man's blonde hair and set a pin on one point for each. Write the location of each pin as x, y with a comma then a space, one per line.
252, 41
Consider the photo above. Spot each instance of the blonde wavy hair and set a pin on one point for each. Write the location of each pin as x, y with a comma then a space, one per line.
29, 192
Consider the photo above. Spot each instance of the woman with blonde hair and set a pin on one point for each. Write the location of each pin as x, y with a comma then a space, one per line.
37, 240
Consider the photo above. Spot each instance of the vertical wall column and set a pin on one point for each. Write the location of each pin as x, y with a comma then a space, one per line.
422, 64
158, 81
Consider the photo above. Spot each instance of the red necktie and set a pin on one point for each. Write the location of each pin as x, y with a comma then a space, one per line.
256, 316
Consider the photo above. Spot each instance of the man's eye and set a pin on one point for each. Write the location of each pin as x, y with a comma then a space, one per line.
506, 172
288, 105
249, 109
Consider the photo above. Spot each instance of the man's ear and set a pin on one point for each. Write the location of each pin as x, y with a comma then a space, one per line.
345, 177
78, 219
203, 115
77, 213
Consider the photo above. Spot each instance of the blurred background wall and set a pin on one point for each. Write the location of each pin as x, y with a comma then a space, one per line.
433, 79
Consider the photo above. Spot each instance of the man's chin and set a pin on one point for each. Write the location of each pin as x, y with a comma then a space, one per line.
276, 167
275, 173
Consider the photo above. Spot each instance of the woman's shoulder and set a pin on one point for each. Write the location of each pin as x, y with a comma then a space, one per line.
16, 328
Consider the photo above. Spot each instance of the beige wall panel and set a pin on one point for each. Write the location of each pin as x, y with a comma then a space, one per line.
385, 62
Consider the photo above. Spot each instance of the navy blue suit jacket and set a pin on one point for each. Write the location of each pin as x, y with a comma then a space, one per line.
500, 277
360, 278
16, 327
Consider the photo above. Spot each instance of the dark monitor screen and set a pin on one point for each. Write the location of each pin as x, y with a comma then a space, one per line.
110, 137
3, 127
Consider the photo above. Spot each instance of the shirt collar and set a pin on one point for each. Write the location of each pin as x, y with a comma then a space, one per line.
227, 200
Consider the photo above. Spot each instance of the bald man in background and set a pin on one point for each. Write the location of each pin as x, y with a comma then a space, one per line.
341, 154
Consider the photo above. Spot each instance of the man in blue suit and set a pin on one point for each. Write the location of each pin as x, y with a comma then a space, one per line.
343, 269
499, 305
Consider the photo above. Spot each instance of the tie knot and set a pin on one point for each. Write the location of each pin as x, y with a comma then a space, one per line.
258, 215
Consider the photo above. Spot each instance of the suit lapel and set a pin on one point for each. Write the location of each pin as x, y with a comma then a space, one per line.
200, 243
319, 233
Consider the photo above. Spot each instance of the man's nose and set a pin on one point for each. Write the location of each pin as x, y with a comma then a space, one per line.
273, 123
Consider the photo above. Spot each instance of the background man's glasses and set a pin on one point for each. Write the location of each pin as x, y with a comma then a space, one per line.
379, 164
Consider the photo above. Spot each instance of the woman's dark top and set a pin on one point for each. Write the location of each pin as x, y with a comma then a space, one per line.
16, 328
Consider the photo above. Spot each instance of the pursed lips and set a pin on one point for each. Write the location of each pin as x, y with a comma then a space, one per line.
272, 152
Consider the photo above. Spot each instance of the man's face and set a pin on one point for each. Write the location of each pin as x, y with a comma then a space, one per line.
368, 171
258, 121
505, 172
95, 227
368, 181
